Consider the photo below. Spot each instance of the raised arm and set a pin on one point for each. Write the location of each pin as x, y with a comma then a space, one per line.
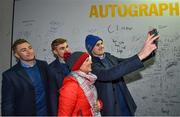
123, 68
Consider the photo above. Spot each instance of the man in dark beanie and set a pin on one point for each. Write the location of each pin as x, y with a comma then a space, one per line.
111, 87
78, 95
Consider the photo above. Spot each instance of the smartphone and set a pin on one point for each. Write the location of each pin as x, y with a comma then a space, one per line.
154, 31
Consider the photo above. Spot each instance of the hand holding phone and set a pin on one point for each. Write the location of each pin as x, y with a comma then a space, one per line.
153, 53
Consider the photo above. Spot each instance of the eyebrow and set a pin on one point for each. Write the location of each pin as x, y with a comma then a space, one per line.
62, 47
25, 48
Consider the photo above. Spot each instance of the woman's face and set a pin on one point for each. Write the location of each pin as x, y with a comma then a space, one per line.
86, 66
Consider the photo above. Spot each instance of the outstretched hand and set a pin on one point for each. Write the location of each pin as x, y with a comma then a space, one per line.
149, 46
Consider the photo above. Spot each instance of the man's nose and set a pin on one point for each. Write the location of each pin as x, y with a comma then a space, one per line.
67, 50
28, 50
101, 45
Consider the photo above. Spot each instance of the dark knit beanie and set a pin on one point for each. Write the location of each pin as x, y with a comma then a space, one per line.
76, 60
90, 42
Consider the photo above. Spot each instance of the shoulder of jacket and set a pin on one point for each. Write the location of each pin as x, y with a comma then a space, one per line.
110, 56
70, 82
53, 63
51, 66
12, 69
41, 61
107, 53
70, 79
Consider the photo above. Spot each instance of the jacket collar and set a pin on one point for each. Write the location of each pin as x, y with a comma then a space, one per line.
98, 60
57, 65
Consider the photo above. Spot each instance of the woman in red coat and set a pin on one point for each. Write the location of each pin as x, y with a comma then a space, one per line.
78, 95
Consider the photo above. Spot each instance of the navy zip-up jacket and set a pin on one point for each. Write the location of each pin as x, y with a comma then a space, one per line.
110, 79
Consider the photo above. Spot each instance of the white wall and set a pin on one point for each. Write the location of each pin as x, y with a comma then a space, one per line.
156, 93
156, 89
6, 7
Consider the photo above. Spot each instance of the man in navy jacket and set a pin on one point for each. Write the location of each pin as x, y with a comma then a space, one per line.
59, 69
25, 86
111, 87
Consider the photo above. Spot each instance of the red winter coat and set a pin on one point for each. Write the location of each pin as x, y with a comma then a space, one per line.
72, 100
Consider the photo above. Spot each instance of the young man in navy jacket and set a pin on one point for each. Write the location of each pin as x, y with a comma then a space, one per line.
111, 87
25, 86
58, 68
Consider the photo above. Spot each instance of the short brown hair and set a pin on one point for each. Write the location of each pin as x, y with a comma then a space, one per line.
18, 42
56, 42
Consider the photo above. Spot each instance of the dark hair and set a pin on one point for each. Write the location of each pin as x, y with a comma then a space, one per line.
18, 42
56, 42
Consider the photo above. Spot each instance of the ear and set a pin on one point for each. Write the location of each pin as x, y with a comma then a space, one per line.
55, 52
92, 52
16, 55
